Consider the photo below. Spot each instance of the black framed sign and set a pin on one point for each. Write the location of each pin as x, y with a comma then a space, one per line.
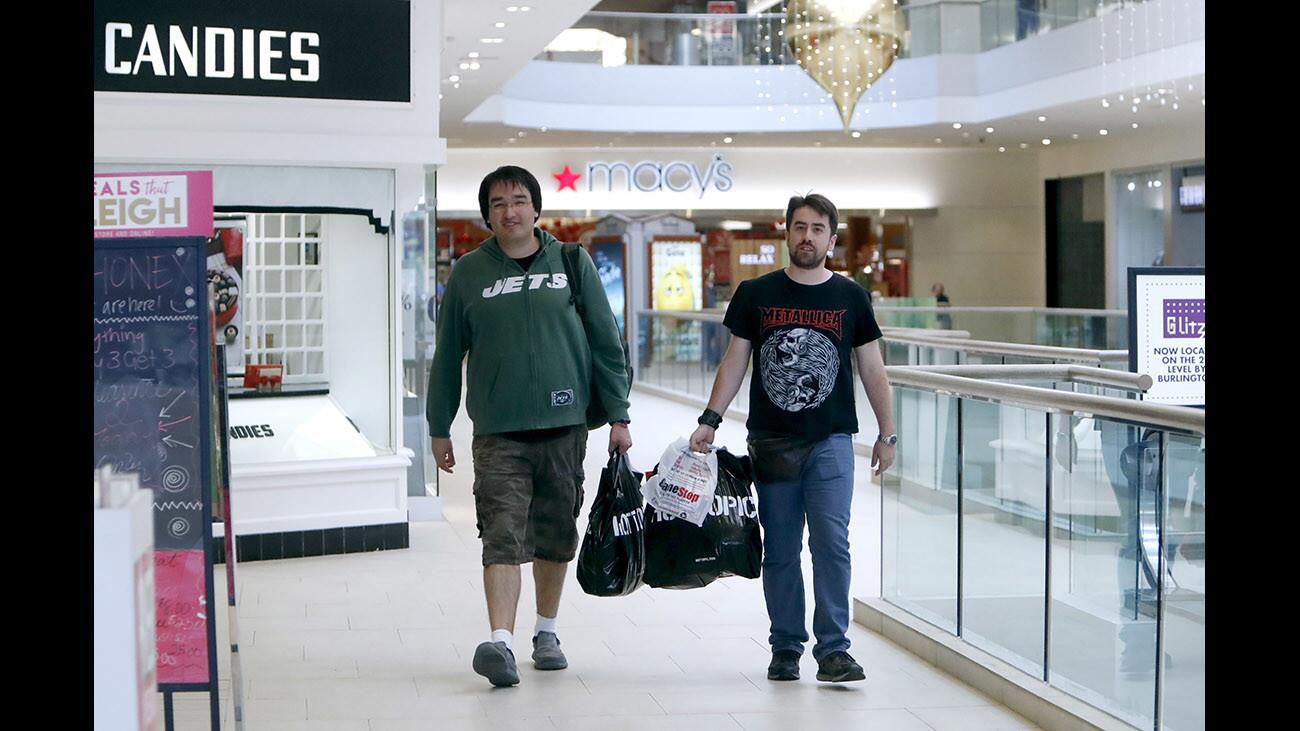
319, 49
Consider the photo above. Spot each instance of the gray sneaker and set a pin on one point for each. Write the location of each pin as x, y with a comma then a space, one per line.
495, 661
547, 654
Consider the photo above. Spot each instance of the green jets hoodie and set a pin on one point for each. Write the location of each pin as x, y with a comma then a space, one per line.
531, 360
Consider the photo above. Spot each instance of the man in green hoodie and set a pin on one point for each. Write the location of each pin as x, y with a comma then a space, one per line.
533, 364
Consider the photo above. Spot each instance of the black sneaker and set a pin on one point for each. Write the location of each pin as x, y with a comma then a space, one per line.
784, 665
839, 667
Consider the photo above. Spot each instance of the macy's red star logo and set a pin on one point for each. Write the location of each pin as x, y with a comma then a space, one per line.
567, 178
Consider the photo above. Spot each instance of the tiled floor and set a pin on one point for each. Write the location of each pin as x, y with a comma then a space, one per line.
382, 641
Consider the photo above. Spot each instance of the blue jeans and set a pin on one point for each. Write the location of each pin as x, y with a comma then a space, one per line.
823, 493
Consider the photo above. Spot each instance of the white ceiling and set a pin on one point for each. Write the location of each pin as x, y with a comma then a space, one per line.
527, 33
466, 22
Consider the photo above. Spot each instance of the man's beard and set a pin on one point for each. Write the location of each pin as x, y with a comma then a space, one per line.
806, 260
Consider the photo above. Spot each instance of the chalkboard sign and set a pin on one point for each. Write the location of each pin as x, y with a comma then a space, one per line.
152, 356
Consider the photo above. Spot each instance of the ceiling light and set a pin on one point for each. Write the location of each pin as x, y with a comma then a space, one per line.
499, 24
474, 66
956, 125
491, 40
522, 133
1074, 136
1102, 132
524, 8
989, 130
1132, 186
543, 129
1024, 145
1105, 103
726, 140
1157, 183
1041, 118
512, 139
695, 31
453, 78
938, 140
1002, 149
736, 225
473, 54
1046, 141
455, 86
855, 134
512, 9
1135, 125
463, 66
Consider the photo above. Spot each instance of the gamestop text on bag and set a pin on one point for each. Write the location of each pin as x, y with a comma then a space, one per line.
612, 558
683, 556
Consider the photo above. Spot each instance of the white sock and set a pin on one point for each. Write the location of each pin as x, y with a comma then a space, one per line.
544, 624
503, 635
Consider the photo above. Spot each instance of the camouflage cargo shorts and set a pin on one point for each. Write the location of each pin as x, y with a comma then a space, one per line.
527, 496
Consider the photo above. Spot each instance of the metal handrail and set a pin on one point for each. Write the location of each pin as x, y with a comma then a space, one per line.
1018, 350
949, 309
898, 333
1034, 372
1182, 418
684, 315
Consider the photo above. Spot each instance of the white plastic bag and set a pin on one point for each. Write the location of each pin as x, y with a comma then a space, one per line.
684, 483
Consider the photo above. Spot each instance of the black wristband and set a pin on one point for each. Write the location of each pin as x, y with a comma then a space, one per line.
624, 422
710, 418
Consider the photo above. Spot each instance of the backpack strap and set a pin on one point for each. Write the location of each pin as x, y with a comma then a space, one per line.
569, 256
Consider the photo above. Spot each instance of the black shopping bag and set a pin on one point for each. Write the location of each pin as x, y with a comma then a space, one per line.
612, 557
680, 555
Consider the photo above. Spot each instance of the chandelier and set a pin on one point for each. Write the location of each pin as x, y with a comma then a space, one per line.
844, 45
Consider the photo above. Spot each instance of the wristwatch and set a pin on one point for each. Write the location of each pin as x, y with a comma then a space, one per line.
891, 440
710, 418
624, 422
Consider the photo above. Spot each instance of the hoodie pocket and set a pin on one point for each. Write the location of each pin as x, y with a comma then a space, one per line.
478, 398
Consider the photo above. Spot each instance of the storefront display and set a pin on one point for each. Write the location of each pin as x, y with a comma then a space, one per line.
225, 251
610, 256
153, 381
676, 283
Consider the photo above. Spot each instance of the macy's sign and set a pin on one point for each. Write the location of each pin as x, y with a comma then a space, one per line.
649, 176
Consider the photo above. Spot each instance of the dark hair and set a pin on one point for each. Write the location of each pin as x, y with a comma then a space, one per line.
512, 175
817, 202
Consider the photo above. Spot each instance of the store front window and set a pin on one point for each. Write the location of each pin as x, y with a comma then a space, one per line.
285, 295
1139, 198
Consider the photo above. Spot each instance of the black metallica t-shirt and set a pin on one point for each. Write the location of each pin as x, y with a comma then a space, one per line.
803, 337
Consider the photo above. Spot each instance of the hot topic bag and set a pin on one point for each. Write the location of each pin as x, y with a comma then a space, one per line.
684, 556
612, 558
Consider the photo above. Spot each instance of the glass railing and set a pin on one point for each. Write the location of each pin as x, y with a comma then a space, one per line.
1061, 532
940, 347
679, 353
713, 39
1059, 327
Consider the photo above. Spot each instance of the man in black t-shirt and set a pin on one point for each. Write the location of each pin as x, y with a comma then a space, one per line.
806, 327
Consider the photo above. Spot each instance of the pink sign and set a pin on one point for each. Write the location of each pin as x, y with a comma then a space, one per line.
129, 205
182, 617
